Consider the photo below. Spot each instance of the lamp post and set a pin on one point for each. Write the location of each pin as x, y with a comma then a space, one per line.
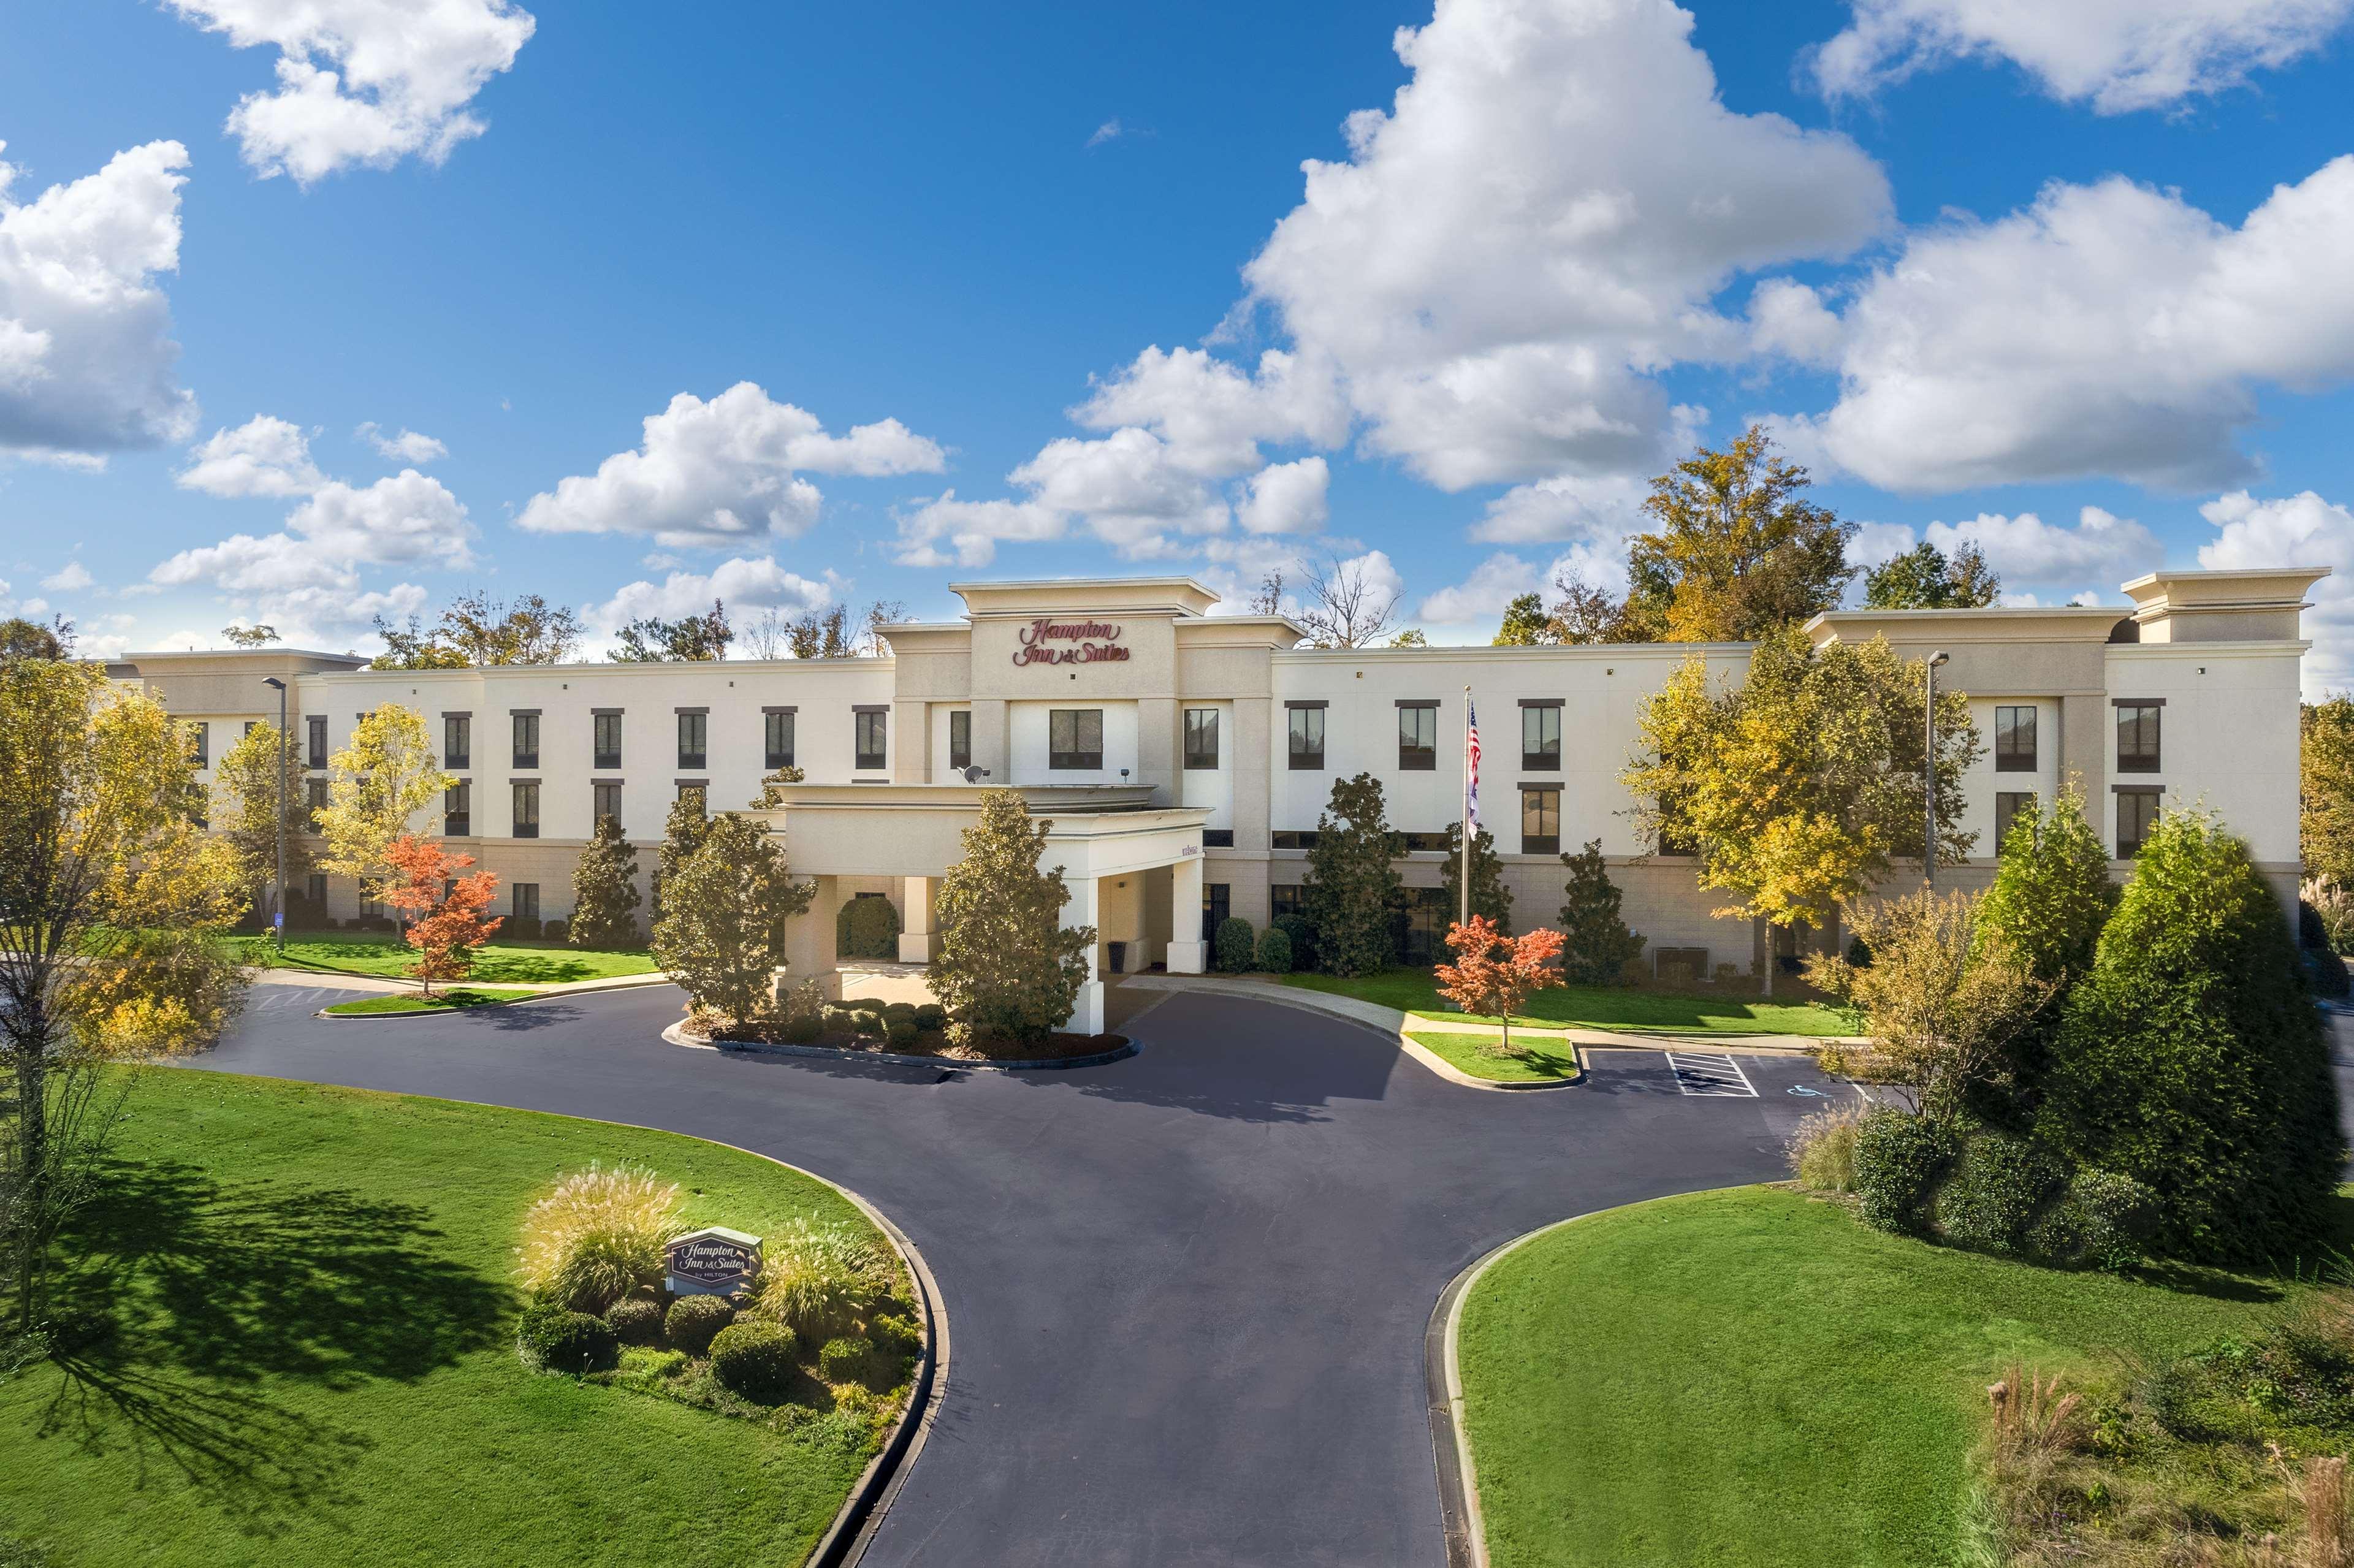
278, 921
1929, 773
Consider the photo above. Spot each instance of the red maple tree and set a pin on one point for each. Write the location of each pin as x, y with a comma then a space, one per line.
1495, 973
447, 922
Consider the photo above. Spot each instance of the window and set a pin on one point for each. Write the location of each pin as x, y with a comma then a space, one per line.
314, 794
608, 738
1541, 821
526, 808
526, 740
200, 742
1308, 737
1217, 903
694, 737
1295, 841
2136, 815
1669, 842
1075, 738
2008, 805
457, 740
1285, 898
2137, 737
1410, 844
527, 900
698, 790
605, 797
1218, 838
776, 737
873, 731
1202, 738
315, 891
316, 725
457, 808
249, 724
961, 738
1417, 737
2014, 740
1541, 737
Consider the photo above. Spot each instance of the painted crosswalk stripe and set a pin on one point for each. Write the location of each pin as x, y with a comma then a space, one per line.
1708, 1073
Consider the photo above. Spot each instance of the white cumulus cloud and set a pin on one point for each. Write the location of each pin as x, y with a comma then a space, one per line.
946, 531
403, 446
1286, 498
2086, 561
1481, 596
72, 577
742, 584
264, 456
2301, 530
1604, 508
298, 575
362, 81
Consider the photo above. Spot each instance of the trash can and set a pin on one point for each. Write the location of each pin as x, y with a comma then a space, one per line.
1119, 957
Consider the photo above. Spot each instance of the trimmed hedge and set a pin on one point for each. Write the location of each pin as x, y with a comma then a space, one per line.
557, 1338
801, 1029
866, 929
1233, 946
1275, 952
1998, 1186
636, 1322
694, 1320
755, 1359
931, 1016
1899, 1161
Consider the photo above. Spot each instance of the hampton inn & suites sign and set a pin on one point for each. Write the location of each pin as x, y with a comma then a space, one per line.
1046, 642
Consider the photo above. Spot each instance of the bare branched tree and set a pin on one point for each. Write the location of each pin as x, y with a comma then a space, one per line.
768, 635
1350, 608
871, 643
1268, 599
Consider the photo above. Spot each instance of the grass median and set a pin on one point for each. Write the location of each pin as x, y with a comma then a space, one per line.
454, 1000
1536, 1061
1628, 1008
495, 962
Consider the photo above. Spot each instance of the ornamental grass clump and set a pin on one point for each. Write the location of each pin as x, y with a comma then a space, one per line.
823, 1281
1822, 1152
596, 1235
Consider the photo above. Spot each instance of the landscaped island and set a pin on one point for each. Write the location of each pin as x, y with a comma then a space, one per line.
1630, 1008
298, 1310
495, 962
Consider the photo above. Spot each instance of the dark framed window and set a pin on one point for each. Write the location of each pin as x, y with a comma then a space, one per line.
605, 800
2137, 737
1218, 838
2006, 805
1075, 738
1217, 903
457, 808
1202, 738
200, 742
1283, 899
526, 808
2136, 815
608, 738
1417, 737
695, 737
1541, 821
457, 740
1411, 843
1541, 737
2014, 740
314, 794
1669, 842
1307, 745
873, 731
248, 725
961, 738
316, 725
1285, 839
315, 889
526, 740
525, 896
777, 738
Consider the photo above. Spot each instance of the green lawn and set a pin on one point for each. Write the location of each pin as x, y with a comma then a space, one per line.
1750, 1379
316, 1364
1546, 1060
1599, 1007
440, 1001
496, 963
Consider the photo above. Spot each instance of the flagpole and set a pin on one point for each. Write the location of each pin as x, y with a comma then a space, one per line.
1469, 826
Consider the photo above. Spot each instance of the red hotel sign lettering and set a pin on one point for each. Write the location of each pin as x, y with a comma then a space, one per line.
1092, 642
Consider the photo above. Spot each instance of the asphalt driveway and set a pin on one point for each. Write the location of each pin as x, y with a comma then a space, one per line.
1187, 1291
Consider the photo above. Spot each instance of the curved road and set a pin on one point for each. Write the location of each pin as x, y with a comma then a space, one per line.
1187, 1291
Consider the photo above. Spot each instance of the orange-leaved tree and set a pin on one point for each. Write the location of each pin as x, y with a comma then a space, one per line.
1495, 973
447, 922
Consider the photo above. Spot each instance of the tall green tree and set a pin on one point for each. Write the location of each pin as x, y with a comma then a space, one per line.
2325, 789
2191, 1058
687, 826
1351, 890
23, 639
1007, 969
252, 786
721, 934
1490, 896
388, 773
1596, 944
1735, 550
112, 901
1925, 577
477, 630
2051, 898
1526, 624
605, 896
695, 638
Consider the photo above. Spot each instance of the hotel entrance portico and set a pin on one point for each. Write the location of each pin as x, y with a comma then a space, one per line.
1133, 870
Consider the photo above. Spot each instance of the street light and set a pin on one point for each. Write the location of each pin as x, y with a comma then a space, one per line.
1929, 774
280, 916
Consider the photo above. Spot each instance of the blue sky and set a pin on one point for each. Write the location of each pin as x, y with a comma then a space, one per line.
1984, 280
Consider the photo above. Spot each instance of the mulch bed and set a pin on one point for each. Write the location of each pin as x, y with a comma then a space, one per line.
928, 1043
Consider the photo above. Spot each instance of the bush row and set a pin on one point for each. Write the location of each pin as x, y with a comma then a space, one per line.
1235, 949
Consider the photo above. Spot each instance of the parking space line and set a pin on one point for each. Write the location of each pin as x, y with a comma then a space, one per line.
1709, 1074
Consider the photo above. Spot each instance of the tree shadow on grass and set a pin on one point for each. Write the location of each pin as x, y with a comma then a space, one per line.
219, 1290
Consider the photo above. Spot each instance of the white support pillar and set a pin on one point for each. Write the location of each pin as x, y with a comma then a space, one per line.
1088, 1013
1185, 955
919, 933
809, 941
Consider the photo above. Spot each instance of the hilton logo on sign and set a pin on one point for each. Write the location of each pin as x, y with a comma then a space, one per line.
714, 1261
1092, 642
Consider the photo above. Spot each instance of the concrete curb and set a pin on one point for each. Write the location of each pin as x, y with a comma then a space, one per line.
422, 1012
392, 985
676, 1034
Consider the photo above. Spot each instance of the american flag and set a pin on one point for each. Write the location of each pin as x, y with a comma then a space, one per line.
1470, 767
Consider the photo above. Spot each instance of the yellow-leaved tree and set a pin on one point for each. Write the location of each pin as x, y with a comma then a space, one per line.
386, 775
114, 901
1795, 788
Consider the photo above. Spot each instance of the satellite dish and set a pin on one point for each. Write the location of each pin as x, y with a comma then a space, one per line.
975, 775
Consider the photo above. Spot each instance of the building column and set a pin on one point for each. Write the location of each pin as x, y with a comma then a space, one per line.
1087, 1012
911, 742
989, 740
809, 941
919, 932
1185, 955
1156, 747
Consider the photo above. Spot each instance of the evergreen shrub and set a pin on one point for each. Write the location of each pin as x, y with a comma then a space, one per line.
1998, 1186
755, 1359
1233, 945
635, 1320
558, 1340
694, 1320
844, 1360
1275, 952
2102, 1221
866, 929
931, 1015
1899, 1160
1302, 932
801, 1029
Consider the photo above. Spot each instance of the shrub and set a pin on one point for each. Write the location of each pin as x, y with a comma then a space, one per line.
754, 1360
895, 1335
1899, 1160
2102, 1220
867, 1021
555, 1339
1302, 932
820, 1280
844, 1360
1998, 1186
2325, 971
931, 1016
1598, 944
555, 931
1275, 952
837, 1019
892, 1011
1822, 1151
1858, 952
866, 929
694, 1320
899, 1032
2193, 1060
635, 1320
1232, 946
521, 928
596, 1235
801, 1029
